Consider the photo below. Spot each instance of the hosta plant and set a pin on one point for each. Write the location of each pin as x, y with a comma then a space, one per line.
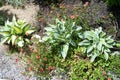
16, 33
62, 36
95, 43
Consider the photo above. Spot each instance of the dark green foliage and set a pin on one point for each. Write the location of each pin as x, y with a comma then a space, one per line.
2, 20
2, 2
84, 70
115, 65
113, 2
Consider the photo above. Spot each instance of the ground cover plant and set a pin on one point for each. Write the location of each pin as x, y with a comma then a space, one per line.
16, 33
70, 45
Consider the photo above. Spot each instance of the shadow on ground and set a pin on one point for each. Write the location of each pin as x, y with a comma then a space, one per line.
4, 16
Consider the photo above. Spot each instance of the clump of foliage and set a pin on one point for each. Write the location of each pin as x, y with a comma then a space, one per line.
84, 70
114, 65
62, 36
96, 43
16, 33
2, 20
113, 2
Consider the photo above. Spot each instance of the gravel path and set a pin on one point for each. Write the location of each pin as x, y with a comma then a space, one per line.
11, 68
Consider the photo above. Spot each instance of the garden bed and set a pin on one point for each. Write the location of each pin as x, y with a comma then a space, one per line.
61, 59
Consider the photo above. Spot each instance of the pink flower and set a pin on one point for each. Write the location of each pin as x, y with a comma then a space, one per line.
16, 60
72, 16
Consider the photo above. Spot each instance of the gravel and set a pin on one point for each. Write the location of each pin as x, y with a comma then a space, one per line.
10, 68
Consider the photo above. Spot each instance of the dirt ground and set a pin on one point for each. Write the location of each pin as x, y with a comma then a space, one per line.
28, 13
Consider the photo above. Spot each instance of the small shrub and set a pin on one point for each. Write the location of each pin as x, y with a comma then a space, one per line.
62, 36
84, 70
96, 43
16, 33
114, 65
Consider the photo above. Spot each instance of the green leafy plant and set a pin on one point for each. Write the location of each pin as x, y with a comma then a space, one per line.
16, 33
113, 2
84, 70
62, 36
95, 43
114, 66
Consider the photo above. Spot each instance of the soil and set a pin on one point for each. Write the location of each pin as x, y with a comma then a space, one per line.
28, 13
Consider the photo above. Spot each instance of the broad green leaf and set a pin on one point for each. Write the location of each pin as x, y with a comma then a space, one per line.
13, 37
102, 34
26, 28
29, 32
89, 49
105, 44
27, 40
14, 21
110, 41
65, 50
68, 35
72, 43
78, 28
5, 40
93, 58
118, 44
48, 29
99, 46
5, 33
17, 30
84, 42
88, 35
106, 55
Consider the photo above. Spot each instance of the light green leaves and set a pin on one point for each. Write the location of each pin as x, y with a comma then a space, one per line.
15, 32
60, 35
64, 51
96, 43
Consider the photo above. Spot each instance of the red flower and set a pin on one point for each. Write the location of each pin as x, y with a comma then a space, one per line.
45, 59
41, 70
108, 78
104, 73
16, 60
61, 6
29, 61
86, 4
35, 51
58, 15
68, 6
51, 68
31, 48
38, 57
40, 19
72, 16
30, 69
